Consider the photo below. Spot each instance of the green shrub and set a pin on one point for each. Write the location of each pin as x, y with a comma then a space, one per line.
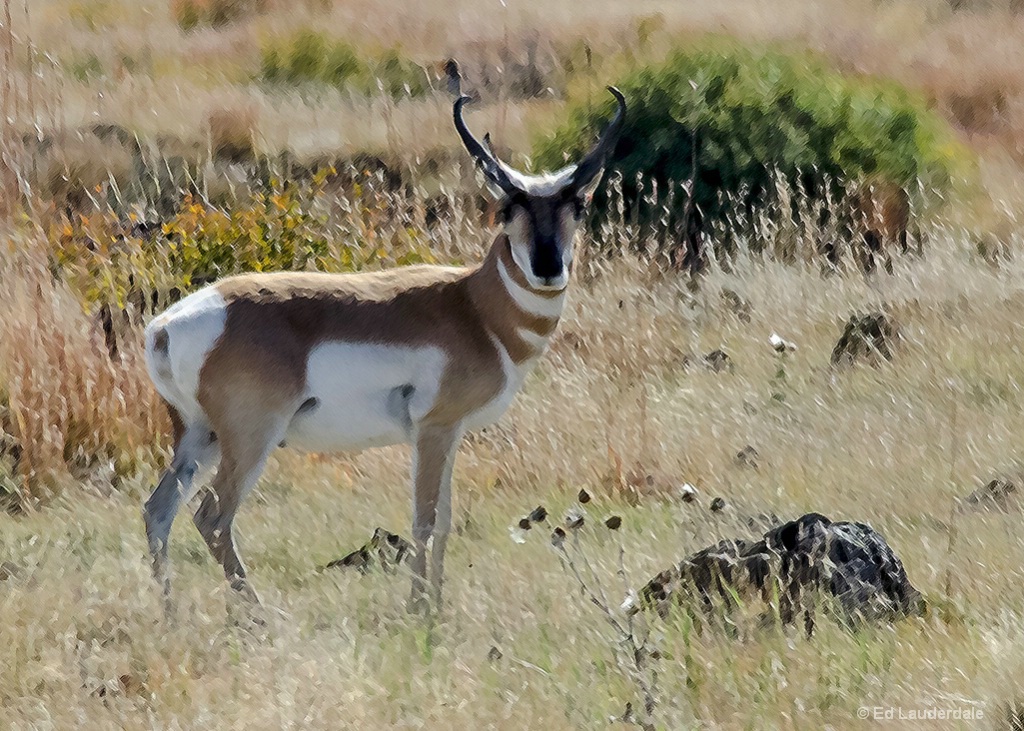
341, 64
190, 14
397, 76
85, 68
750, 119
309, 57
187, 13
306, 59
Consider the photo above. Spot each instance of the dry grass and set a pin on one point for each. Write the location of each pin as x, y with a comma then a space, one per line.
621, 406
84, 644
73, 413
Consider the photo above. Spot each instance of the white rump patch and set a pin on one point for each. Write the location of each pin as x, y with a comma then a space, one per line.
192, 326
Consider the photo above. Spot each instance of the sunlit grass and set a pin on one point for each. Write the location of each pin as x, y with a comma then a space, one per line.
891, 445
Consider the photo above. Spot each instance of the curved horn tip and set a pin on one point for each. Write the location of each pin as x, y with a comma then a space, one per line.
618, 96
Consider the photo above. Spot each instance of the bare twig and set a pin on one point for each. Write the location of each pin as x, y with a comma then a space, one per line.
637, 649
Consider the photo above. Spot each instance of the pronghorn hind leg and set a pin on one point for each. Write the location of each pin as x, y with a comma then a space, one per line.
432, 508
243, 457
215, 523
193, 446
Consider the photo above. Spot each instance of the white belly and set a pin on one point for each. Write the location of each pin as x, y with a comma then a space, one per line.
366, 395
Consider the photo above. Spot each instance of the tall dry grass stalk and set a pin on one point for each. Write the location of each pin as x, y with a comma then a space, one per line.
72, 411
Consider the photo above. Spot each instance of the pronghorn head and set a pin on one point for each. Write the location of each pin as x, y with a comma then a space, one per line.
541, 213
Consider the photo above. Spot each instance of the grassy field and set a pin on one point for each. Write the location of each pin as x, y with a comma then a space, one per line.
623, 406
892, 446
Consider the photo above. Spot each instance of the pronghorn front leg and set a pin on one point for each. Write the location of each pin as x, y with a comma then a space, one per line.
434, 457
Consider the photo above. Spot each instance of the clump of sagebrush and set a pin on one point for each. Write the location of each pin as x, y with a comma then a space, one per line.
310, 57
281, 227
718, 128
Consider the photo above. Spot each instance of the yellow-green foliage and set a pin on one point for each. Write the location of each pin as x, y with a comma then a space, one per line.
190, 14
286, 227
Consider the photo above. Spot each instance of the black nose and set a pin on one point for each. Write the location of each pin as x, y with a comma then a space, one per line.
546, 262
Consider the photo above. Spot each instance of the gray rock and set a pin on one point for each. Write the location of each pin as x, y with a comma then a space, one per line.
800, 562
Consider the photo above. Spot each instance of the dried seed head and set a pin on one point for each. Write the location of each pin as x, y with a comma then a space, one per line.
780, 345
557, 537
613, 522
717, 505
631, 604
539, 514
575, 519
494, 654
687, 492
525, 524
584, 497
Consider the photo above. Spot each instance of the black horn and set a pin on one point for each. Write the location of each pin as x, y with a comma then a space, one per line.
591, 165
484, 158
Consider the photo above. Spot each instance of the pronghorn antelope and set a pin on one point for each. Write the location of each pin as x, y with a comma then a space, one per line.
330, 362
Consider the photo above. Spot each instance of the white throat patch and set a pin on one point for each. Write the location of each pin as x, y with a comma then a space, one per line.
530, 302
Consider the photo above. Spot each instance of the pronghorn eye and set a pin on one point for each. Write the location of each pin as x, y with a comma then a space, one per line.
509, 207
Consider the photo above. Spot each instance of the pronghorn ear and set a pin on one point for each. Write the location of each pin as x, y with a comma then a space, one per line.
585, 189
494, 189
